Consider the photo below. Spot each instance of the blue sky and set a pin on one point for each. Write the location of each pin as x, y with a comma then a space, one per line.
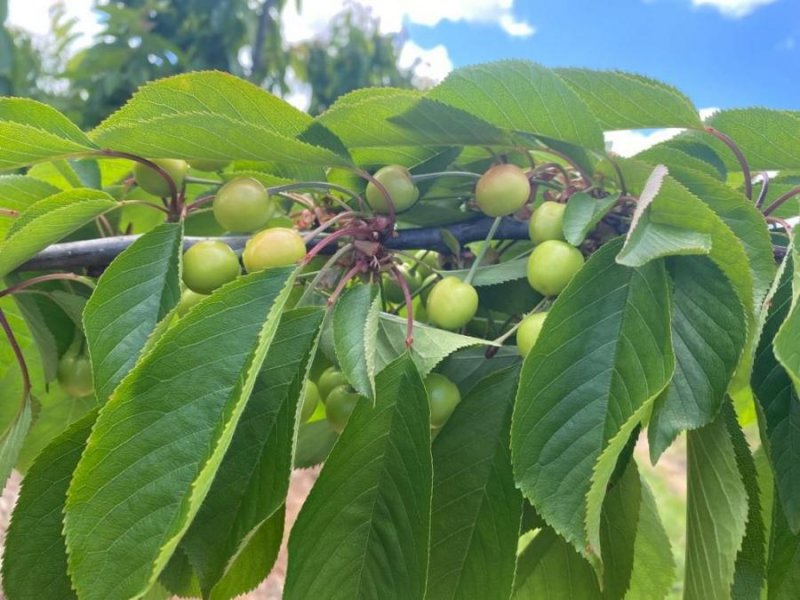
717, 59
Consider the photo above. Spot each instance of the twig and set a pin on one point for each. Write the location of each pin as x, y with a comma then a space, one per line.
23, 367
748, 180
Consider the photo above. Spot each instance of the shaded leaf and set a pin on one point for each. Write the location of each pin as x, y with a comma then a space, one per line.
364, 529
494, 274
467, 367
355, 332
583, 212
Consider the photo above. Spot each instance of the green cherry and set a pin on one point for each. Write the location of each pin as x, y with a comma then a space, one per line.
443, 396
75, 375
397, 181
209, 264
552, 265
151, 180
275, 247
547, 222
528, 332
452, 303
502, 190
242, 205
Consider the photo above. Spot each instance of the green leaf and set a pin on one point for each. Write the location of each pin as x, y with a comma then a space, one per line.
31, 132
431, 345
716, 512
13, 436
674, 157
32, 309
787, 341
476, 511
627, 101
35, 564
406, 118
750, 569
550, 568
18, 192
494, 93
708, 335
603, 356
583, 212
743, 218
779, 405
355, 332
214, 115
653, 563
363, 531
783, 575
467, 367
618, 531
177, 410
768, 138
139, 289
494, 274
253, 479
49, 220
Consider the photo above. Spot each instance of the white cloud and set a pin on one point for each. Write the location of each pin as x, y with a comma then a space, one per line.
33, 15
628, 142
393, 14
430, 65
733, 8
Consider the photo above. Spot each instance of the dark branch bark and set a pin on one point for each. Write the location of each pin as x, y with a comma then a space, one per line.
100, 252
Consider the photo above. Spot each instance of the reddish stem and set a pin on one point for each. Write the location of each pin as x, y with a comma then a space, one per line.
401, 281
23, 367
40, 279
762, 195
382, 189
781, 200
329, 239
778, 221
173, 189
748, 183
355, 270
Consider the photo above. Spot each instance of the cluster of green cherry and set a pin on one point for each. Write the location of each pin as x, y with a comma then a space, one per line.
412, 282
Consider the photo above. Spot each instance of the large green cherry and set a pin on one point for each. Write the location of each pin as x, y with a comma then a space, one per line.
310, 401
209, 264
209, 165
188, 300
528, 332
275, 247
331, 378
242, 205
502, 190
391, 288
443, 396
151, 180
75, 375
398, 183
547, 222
552, 265
452, 303
340, 404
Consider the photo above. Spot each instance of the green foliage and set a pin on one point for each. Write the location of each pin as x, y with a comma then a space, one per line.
173, 477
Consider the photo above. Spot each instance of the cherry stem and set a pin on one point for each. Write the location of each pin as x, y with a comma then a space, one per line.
778, 221
106, 225
49, 277
401, 281
548, 166
203, 181
173, 189
622, 187
748, 181
23, 367
428, 176
321, 273
315, 185
355, 270
781, 200
9, 212
327, 224
382, 189
484, 249
329, 239
762, 195
584, 175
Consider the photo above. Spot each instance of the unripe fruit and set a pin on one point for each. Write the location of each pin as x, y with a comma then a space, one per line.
340, 405
427, 261
209, 165
209, 264
75, 375
397, 181
528, 332
276, 247
310, 401
391, 288
452, 303
502, 190
151, 180
188, 300
330, 378
552, 265
242, 205
443, 396
547, 222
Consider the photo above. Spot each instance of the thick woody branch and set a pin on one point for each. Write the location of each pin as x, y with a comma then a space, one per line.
100, 252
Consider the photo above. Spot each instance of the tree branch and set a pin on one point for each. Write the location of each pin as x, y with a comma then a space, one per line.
100, 252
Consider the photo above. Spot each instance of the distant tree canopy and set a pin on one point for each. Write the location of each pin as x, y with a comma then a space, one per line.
142, 40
